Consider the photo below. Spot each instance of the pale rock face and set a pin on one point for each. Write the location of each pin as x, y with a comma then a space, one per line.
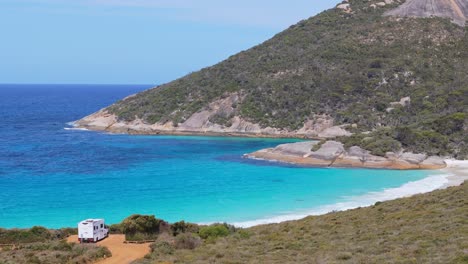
316, 125
413, 158
322, 126
99, 120
333, 154
201, 119
197, 120
456, 10
392, 155
298, 148
357, 151
346, 7
335, 131
329, 150
434, 160
343, 6
200, 123
403, 102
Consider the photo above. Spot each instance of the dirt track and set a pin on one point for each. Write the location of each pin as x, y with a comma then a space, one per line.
121, 253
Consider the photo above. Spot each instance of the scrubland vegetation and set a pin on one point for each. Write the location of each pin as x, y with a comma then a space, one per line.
39, 245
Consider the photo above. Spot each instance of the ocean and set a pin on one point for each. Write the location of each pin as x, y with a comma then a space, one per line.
54, 176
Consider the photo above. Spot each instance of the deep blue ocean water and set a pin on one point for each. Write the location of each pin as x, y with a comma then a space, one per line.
55, 177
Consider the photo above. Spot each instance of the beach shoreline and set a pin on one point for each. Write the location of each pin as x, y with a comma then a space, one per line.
457, 171
455, 174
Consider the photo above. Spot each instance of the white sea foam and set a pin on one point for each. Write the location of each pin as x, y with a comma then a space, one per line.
427, 184
76, 128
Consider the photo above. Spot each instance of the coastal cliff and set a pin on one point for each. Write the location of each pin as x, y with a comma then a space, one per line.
334, 154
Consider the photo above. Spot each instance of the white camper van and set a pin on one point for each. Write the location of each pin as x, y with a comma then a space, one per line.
92, 230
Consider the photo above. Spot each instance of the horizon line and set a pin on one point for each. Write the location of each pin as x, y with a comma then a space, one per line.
79, 84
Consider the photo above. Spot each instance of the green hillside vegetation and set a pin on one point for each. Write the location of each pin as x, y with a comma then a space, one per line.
438, 136
348, 66
426, 228
39, 245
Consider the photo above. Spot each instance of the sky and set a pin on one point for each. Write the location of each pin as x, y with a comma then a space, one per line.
133, 41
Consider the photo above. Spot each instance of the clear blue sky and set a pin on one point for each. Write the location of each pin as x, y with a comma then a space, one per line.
133, 41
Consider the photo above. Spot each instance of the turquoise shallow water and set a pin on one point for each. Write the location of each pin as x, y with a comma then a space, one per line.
55, 177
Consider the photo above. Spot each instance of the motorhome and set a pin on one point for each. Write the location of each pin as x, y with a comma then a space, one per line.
92, 230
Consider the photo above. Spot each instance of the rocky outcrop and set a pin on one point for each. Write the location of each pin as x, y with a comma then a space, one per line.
456, 10
204, 123
333, 154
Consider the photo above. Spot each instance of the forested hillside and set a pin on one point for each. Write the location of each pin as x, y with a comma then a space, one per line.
351, 65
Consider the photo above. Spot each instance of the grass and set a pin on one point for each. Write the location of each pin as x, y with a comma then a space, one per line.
426, 228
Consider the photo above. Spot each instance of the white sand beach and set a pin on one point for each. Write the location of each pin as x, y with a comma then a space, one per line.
454, 174
457, 171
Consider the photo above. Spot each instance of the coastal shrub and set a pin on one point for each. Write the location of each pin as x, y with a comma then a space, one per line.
422, 141
187, 241
115, 229
214, 231
318, 145
35, 234
381, 146
97, 253
450, 124
378, 142
353, 140
244, 234
184, 227
142, 227
162, 247
53, 251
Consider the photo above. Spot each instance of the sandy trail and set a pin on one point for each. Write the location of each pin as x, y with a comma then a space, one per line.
121, 253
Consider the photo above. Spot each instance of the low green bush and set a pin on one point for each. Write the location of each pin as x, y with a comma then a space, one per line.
142, 227
183, 227
214, 231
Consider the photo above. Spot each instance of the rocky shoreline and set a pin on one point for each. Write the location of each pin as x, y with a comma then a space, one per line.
200, 123
330, 154
334, 154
